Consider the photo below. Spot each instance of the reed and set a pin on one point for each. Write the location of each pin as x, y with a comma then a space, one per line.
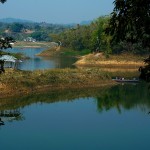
15, 81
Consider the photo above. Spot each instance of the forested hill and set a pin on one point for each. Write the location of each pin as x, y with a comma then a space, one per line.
22, 29
95, 37
12, 20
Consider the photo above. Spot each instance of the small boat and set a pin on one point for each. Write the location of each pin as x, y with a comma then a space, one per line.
122, 80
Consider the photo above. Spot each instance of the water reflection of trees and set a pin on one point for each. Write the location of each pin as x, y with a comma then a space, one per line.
51, 96
10, 115
124, 96
63, 61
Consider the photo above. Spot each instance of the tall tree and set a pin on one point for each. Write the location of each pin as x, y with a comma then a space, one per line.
130, 21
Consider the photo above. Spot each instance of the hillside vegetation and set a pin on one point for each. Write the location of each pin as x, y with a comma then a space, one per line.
38, 31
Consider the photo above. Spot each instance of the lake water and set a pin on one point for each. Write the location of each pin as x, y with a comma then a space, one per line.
114, 118
36, 62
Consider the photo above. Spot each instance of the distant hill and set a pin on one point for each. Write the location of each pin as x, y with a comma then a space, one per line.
12, 20
16, 20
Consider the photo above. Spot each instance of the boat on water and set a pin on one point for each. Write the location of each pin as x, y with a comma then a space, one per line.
122, 80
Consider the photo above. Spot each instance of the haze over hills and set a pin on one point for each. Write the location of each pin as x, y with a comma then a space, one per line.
17, 20
12, 20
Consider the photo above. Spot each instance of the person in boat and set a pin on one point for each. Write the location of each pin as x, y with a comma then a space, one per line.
120, 78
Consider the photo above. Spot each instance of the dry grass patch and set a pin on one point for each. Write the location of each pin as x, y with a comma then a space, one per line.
26, 81
99, 59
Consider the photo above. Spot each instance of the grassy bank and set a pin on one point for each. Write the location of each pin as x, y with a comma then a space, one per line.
123, 60
19, 82
63, 51
87, 59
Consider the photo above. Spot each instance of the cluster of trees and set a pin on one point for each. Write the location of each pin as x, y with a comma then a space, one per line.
38, 31
101, 36
126, 29
129, 25
130, 21
83, 37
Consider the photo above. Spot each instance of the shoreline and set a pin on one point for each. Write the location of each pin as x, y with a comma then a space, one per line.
115, 61
26, 82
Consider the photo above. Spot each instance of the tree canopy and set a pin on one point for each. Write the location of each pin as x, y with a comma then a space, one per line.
86, 37
130, 21
3, 1
5, 42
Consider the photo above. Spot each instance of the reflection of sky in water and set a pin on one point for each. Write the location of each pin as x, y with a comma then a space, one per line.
36, 62
75, 125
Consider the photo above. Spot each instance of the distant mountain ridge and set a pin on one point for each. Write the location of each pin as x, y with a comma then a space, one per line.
16, 20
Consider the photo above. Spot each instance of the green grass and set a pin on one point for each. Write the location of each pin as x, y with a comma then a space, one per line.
69, 52
64, 52
32, 44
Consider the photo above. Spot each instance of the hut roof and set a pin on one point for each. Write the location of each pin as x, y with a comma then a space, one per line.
8, 58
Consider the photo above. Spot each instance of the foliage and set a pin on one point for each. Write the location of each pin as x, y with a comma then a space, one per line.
69, 52
145, 71
39, 31
130, 21
6, 42
16, 27
40, 36
3, 1
91, 36
100, 40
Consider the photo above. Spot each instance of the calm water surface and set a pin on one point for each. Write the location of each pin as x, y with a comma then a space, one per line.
113, 118
36, 62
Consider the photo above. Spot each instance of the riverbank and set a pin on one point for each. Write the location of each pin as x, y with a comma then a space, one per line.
15, 82
63, 51
88, 59
122, 60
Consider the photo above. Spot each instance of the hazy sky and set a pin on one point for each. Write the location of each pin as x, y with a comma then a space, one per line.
56, 11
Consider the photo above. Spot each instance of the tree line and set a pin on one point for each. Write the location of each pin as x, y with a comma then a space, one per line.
81, 37
126, 29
